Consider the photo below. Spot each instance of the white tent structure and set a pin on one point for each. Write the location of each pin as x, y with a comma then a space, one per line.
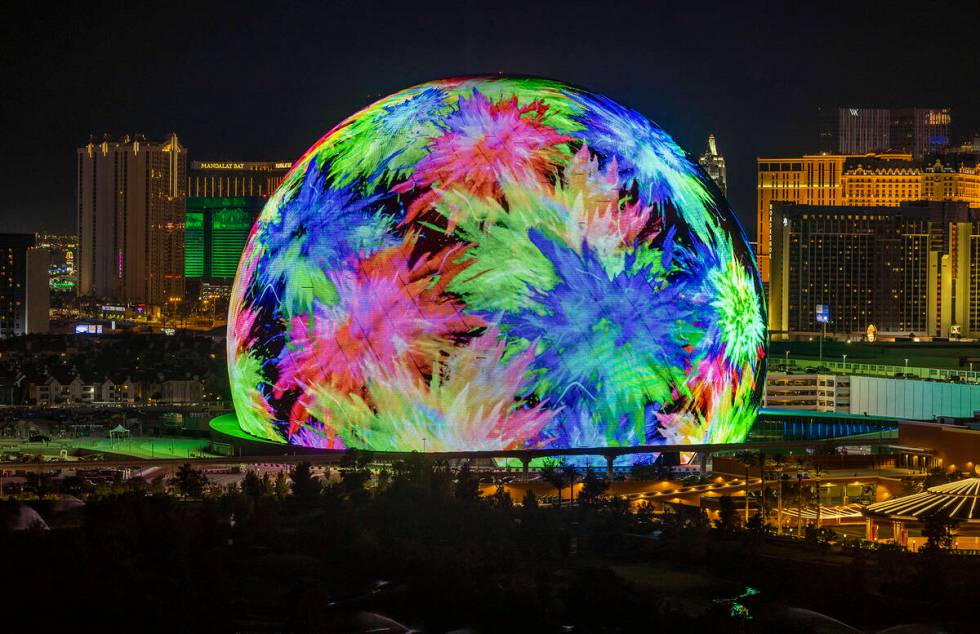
21, 517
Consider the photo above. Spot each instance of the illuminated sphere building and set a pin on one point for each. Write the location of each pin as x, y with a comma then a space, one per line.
496, 263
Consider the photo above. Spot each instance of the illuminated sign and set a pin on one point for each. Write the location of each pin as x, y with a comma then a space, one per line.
235, 165
168, 331
114, 309
88, 329
221, 166
823, 313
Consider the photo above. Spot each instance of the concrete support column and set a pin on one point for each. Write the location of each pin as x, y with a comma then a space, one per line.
703, 456
610, 459
898, 530
525, 463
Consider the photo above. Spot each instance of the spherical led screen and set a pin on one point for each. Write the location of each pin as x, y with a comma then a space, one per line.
496, 263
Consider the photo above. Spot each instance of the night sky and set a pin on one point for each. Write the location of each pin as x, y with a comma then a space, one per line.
263, 82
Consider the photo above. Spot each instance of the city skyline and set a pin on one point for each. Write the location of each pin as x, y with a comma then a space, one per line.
351, 317
266, 102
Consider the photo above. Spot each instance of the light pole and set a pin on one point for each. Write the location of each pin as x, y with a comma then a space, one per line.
787, 360
845, 361
799, 504
906, 367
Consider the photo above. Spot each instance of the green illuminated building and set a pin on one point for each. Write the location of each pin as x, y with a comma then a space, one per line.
216, 231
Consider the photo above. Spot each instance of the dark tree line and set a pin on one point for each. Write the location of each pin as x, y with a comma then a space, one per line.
416, 541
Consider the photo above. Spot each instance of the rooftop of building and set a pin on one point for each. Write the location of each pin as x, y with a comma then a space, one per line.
954, 500
882, 156
128, 139
881, 161
933, 210
776, 413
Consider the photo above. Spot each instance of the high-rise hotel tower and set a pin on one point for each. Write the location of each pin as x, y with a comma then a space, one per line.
868, 180
130, 202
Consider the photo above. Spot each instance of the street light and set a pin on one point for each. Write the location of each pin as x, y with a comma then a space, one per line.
906, 366
845, 360
787, 359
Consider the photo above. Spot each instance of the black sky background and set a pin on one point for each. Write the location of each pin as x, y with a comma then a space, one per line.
264, 81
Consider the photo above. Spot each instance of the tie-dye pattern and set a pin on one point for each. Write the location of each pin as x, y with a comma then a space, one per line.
496, 263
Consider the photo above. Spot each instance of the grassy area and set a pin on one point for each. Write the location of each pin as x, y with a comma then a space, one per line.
947, 355
139, 447
146, 447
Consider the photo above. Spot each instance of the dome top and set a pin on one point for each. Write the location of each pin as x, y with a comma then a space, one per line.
496, 263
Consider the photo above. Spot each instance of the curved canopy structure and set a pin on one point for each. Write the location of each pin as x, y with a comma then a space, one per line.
957, 500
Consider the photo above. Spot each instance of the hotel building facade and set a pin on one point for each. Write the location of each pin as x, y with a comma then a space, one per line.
130, 206
911, 270
235, 179
869, 180
224, 200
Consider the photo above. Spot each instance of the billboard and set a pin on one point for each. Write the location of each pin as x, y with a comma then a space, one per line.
823, 313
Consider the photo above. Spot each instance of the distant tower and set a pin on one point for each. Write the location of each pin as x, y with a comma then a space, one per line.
23, 285
714, 164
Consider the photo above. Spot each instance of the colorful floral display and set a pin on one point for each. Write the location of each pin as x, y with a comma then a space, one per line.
496, 263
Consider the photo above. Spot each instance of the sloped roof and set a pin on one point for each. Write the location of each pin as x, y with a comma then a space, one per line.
957, 500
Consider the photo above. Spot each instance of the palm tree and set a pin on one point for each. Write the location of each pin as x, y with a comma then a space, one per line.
799, 502
569, 474
748, 459
778, 465
817, 472
555, 478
